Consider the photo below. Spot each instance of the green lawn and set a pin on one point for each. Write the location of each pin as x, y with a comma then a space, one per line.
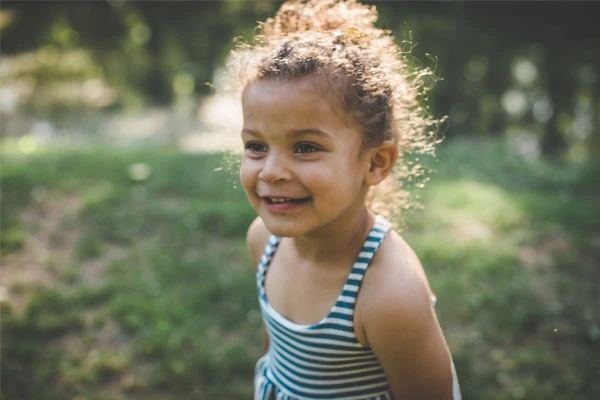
126, 274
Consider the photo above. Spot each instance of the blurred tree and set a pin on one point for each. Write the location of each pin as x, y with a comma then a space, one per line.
152, 48
526, 68
561, 40
529, 63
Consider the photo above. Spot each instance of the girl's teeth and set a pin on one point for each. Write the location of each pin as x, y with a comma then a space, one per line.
279, 200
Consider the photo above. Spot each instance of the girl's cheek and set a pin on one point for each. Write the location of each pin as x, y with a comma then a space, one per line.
249, 174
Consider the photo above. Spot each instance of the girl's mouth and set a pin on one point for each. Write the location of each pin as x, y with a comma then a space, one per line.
282, 200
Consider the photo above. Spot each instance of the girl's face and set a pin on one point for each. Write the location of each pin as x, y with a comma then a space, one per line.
303, 167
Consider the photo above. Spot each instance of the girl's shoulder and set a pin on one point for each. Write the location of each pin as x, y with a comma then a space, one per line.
395, 285
396, 266
257, 238
395, 318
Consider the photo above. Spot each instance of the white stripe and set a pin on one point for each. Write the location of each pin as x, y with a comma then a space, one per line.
330, 391
317, 360
350, 350
334, 367
346, 299
350, 288
355, 276
339, 321
360, 265
279, 362
303, 350
306, 329
377, 234
342, 310
365, 254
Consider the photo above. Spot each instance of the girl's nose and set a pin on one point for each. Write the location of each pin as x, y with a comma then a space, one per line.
275, 169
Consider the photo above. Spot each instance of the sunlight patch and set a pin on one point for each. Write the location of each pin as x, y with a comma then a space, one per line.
474, 211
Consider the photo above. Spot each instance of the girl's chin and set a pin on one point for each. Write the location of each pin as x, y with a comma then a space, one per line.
282, 228
280, 231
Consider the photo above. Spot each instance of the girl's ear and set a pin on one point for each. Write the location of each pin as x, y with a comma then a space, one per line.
382, 160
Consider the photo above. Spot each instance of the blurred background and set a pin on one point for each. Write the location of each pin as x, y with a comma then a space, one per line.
124, 272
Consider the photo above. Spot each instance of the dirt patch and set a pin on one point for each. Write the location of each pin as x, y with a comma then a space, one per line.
46, 252
47, 257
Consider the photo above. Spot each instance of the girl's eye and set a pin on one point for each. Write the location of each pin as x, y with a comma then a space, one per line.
305, 148
256, 147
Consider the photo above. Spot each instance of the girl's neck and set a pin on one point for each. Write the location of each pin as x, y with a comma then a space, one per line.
330, 247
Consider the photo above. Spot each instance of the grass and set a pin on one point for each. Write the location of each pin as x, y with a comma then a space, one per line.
127, 277
512, 249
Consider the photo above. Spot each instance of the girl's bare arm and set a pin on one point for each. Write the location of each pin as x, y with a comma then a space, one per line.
401, 327
256, 240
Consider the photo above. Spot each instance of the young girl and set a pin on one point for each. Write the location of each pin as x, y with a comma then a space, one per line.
329, 111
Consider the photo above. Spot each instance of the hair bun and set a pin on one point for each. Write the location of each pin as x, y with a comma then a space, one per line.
298, 16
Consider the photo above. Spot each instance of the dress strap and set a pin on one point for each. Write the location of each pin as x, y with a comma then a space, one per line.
264, 262
350, 291
352, 285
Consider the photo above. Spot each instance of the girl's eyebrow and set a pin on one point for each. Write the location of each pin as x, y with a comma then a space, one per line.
310, 131
246, 131
293, 134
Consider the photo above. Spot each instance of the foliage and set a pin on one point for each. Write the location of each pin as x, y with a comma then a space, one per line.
511, 248
156, 292
509, 68
148, 293
518, 69
146, 52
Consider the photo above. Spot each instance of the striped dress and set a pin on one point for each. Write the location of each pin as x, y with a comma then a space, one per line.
324, 360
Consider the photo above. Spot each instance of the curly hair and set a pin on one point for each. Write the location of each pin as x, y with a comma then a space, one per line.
337, 41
